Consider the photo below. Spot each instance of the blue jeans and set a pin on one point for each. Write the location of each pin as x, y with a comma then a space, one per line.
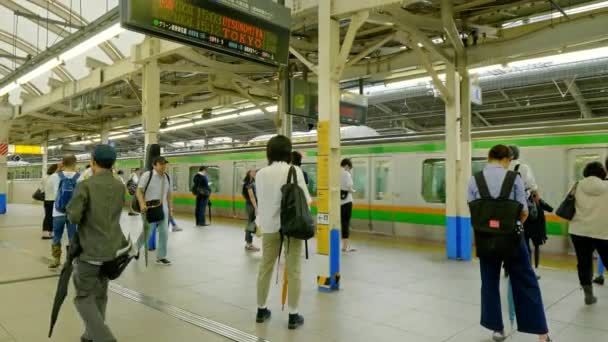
59, 222
527, 298
162, 236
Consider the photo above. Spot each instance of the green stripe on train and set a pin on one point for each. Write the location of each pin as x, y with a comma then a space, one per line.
553, 228
397, 148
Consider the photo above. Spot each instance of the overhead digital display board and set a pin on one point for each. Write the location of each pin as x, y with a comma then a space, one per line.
256, 30
304, 101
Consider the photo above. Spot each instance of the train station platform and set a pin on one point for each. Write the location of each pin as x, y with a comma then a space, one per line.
389, 293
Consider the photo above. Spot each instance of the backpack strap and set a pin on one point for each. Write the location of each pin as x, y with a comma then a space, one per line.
482, 186
517, 168
76, 176
148, 183
61, 175
507, 185
292, 173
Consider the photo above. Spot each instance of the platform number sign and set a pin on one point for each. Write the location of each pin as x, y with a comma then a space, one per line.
322, 218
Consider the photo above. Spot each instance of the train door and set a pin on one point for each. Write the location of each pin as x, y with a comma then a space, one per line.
238, 174
382, 196
578, 158
361, 197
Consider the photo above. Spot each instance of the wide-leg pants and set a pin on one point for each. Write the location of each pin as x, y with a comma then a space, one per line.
527, 298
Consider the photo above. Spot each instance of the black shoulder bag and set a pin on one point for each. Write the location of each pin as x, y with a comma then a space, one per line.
567, 209
498, 231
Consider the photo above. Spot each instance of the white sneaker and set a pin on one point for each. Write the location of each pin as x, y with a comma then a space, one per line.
498, 336
163, 262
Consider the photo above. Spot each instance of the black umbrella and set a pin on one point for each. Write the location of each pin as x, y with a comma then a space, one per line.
64, 280
209, 205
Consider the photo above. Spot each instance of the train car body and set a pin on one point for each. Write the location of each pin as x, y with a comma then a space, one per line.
400, 185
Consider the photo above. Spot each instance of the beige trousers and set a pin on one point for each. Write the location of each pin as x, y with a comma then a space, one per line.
270, 253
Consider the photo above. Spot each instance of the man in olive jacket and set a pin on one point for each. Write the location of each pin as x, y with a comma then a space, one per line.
96, 208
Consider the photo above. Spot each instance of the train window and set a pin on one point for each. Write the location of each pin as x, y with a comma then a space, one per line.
213, 173
360, 179
433, 178
582, 161
175, 178
382, 171
311, 171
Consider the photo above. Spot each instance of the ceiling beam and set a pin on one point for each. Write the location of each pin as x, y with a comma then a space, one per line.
481, 118
409, 122
576, 93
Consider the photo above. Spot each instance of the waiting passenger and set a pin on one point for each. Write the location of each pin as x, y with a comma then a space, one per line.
202, 191
64, 184
269, 182
132, 189
251, 205
588, 227
526, 292
154, 196
49, 199
346, 203
296, 159
96, 208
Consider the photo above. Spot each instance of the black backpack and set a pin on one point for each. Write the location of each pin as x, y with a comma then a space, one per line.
296, 220
498, 232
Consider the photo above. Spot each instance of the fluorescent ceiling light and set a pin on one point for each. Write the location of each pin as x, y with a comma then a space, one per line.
119, 136
52, 147
44, 67
79, 49
92, 42
82, 142
8, 88
176, 127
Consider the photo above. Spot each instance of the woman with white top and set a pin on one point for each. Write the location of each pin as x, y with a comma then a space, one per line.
49, 199
269, 181
346, 203
588, 229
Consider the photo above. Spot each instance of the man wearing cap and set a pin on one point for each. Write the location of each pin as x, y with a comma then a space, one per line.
525, 171
96, 208
155, 186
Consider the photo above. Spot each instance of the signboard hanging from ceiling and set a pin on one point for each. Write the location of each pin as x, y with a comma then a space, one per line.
255, 30
304, 101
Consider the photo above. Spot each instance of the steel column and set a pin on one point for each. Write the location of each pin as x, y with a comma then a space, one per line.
45, 154
151, 101
105, 133
328, 197
464, 164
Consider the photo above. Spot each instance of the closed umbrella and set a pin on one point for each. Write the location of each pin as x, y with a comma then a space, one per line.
64, 280
284, 292
511, 303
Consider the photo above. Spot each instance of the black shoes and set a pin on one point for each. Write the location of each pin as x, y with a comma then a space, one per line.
599, 280
295, 320
262, 316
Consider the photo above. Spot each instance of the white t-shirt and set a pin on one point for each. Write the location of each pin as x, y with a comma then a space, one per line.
53, 182
526, 174
269, 181
49, 191
346, 183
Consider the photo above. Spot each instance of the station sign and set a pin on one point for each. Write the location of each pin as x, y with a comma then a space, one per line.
304, 101
25, 149
255, 30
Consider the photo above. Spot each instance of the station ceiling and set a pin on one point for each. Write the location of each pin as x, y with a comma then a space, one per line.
495, 32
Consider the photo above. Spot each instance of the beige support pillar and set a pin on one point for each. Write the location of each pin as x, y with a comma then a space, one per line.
105, 133
328, 194
45, 154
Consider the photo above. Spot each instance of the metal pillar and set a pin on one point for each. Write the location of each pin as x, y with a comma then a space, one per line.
151, 102
5, 127
328, 163
45, 154
105, 133
284, 121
